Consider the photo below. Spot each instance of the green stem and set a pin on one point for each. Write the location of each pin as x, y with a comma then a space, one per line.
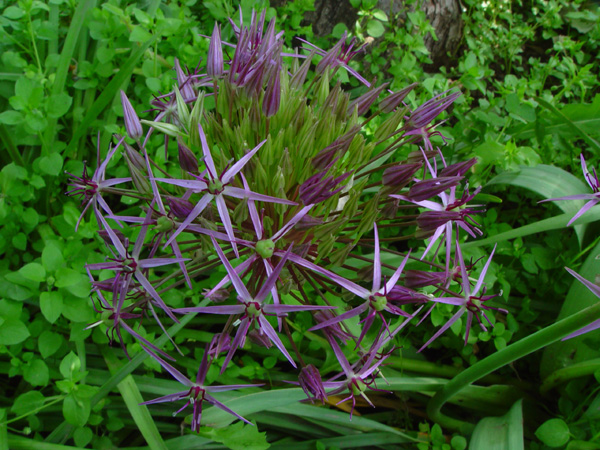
10, 146
568, 373
505, 356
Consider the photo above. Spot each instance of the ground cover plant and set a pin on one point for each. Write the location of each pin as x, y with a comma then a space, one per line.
280, 217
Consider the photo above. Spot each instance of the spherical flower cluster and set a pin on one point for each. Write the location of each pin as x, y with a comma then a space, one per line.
272, 176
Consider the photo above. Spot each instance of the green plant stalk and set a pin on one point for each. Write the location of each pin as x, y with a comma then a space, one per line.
10, 146
3, 430
505, 356
568, 373
20, 443
65, 60
133, 399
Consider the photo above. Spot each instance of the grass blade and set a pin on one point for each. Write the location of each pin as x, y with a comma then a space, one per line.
132, 398
108, 94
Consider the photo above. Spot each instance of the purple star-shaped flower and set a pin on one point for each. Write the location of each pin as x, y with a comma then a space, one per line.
217, 187
252, 308
197, 391
593, 199
90, 189
469, 302
375, 299
128, 265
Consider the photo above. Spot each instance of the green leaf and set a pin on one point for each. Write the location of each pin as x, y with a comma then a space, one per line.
36, 373
58, 105
49, 342
83, 436
51, 165
13, 12
499, 433
27, 402
69, 364
76, 410
12, 332
11, 117
34, 272
553, 433
51, 304
549, 182
139, 34
68, 277
375, 28
52, 257
572, 351
239, 436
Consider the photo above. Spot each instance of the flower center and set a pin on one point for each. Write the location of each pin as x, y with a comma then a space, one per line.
265, 248
129, 265
253, 310
378, 302
215, 187
164, 224
357, 386
474, 304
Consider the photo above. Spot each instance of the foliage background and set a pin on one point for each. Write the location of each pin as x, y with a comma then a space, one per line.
528, 71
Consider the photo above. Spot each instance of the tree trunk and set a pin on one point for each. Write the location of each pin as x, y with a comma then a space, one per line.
444, 15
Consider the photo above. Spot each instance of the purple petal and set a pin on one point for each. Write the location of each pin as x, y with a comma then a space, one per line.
348, 314
272, 334
203, 203
242, 193
233, 170
208, 160
237, 282
167, 398
447, 325
150, 289
376, 263
583, 210
224, 215
483, 272
392, 281
218, 309
220, 405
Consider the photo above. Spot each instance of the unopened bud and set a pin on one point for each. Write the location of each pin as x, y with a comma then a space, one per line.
392, 101
179, 207
214, 62
458, 169
426, 189
132, 121
187, 160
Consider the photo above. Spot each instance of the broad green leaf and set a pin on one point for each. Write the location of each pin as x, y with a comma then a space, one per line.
34, 272
27, 402
554, 433
36, 373
76, 410
11, 117
139, 34
572, 351
69, 365
375, 28
49, 342
352, 441
13, 331
58, 105
549, 182
52, 257
500, 433
83, 436
238, 436
553, 223
51, 165
51, 304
